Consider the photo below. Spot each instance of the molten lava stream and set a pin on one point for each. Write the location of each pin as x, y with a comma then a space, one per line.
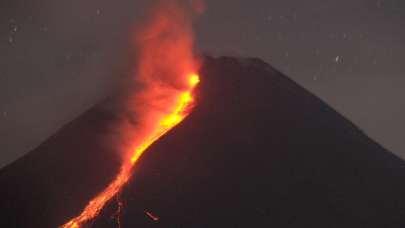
183, 101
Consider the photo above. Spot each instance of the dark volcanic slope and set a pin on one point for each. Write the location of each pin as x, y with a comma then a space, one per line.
54, 182
257, 151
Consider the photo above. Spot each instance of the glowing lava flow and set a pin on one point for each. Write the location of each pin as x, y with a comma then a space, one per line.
167, 122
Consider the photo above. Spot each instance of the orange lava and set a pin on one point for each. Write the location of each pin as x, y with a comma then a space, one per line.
167, 71
167, 122
152, 216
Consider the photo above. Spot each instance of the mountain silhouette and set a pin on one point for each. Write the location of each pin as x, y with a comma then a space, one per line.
258, 150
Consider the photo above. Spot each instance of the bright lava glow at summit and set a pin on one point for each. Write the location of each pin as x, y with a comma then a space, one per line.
194, 79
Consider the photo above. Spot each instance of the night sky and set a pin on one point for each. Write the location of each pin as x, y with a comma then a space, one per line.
58, 58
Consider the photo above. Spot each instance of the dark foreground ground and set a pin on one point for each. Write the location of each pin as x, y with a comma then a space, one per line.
257, 151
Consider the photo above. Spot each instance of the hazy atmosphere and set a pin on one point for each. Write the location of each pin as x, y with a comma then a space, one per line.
59, 58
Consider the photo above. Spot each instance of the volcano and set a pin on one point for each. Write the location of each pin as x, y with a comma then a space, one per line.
257, 150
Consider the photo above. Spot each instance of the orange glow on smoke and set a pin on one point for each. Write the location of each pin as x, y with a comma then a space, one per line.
166, 69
